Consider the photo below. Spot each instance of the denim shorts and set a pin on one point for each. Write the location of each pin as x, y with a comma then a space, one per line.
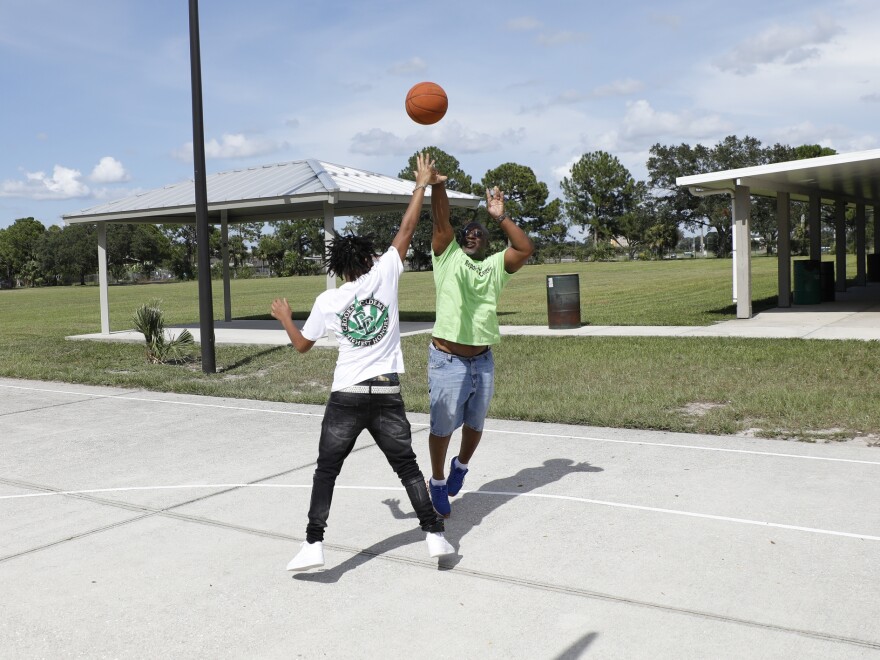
460, 390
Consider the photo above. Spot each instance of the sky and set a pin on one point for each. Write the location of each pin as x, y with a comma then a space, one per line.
97, 100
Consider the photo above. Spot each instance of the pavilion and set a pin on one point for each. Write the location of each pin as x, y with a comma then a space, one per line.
843, 180
284, 191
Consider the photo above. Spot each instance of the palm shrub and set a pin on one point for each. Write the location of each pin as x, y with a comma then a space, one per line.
149, 321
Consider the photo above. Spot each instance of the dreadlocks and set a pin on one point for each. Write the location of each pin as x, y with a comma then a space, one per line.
349, 256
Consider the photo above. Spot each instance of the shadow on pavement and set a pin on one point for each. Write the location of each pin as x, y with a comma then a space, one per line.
468, 512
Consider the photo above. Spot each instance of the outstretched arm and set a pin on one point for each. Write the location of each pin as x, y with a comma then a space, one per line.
521, 247
424, 173
281, 311
442, 235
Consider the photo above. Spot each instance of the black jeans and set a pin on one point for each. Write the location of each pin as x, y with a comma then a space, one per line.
383, 415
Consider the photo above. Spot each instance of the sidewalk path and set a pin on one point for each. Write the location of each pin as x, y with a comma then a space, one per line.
854, 315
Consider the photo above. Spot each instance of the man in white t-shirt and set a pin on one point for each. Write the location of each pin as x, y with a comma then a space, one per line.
365, 395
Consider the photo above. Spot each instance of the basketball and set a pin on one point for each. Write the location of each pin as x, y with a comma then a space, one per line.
426, 103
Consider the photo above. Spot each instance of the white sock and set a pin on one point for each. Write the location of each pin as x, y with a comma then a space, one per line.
442, 482
459, 464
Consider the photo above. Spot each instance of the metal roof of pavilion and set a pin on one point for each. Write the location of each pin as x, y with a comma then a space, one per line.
853, 178
297, 189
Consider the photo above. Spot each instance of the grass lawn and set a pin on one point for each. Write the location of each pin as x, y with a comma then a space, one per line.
776, 388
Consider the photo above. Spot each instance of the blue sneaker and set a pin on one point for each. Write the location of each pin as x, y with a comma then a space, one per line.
440, 499
455, 480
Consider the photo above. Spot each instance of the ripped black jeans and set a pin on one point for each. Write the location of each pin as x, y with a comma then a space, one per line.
384, 416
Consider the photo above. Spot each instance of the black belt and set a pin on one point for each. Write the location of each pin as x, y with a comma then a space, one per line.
463, 357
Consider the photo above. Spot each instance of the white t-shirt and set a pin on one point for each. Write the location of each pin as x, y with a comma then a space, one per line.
365, 318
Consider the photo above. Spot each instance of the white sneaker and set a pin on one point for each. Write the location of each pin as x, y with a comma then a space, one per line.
438, 545
310, 555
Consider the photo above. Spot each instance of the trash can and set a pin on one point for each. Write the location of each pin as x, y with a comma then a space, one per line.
807, 282
874, 267
826, 281
563, 301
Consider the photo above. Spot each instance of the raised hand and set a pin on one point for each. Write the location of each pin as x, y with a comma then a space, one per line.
281, 309
495, 202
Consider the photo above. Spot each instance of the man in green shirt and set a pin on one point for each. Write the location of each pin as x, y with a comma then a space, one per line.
461, 368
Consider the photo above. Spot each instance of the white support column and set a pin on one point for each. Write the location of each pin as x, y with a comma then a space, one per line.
840, 245
861, 275
329, 233
743, 258
733, 233
815, 225
102, 278
783, 248
224, 256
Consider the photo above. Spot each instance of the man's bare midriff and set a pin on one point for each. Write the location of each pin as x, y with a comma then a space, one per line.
461, 350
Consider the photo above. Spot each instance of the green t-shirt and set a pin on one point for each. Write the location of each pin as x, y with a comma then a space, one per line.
467, 296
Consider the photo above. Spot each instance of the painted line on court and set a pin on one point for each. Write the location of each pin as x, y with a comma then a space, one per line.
671, 444
567, 498
126, 397
754, 452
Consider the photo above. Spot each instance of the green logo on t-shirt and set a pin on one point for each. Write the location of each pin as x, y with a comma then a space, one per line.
365, 322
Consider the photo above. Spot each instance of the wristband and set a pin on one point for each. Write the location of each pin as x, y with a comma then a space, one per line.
504, 216
424, 185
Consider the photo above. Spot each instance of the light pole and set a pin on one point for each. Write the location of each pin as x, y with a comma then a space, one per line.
206, 303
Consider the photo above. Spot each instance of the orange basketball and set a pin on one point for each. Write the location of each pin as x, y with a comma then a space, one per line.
426, 103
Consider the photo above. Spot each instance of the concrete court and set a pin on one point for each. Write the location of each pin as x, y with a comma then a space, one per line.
137, 524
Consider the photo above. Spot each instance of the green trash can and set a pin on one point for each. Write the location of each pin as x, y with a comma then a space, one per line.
563, 301
807, 282
826, 281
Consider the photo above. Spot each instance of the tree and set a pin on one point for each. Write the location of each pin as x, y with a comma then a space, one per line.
665, 164
69, 254
183, 249
646, 227
137, 246
7, 274
764, 221
303, 242
525, 198
271, 250
599, 192
20, 251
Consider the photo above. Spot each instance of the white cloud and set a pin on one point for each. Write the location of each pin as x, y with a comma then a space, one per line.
377, 142
667, 20
109, 170
460, 139
641, 120
545, 38
618, 88
236, 145
450, 136
65, 183
410, 66
568, 97
642, 124
838, 137
786, 45
523, 24
561, 38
